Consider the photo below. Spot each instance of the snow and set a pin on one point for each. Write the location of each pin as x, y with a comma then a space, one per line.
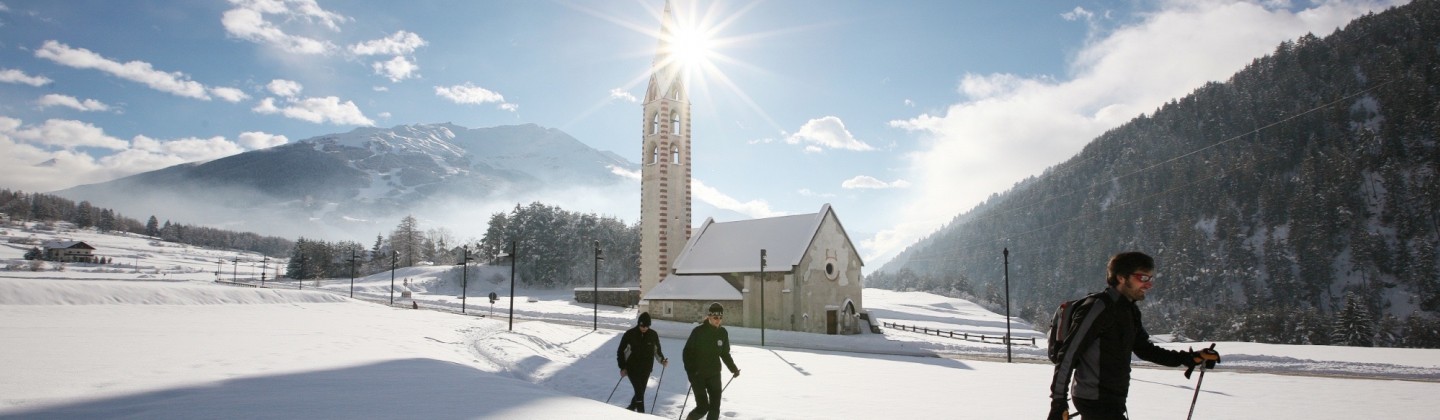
85, 344
694, 287
717, 246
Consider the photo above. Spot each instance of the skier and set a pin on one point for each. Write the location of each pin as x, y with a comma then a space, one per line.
1103, 344
708, 345
639, 348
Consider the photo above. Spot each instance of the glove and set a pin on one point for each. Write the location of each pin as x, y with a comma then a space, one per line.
735, 374
665, 362
1207, 356
1059, 409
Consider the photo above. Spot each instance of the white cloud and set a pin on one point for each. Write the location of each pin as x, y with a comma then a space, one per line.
316, 110
627, 174
229, 94
1078, 14
909, 103
1008, 127
384, 115
72, 102
17, 76
712, 196
67, 134
468, 93
255, 140
869, 182
808, 193
380, 88
826, 133
620, 94
397, 69
399, 43
284, 88
190, 149
248, 21
138, 71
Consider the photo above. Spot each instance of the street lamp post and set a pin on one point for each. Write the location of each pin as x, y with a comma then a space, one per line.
264, 265
394, 256
352, 273
512, 284
235, 271
464, 277
762, 298
596, 292
300, 277
1006, 253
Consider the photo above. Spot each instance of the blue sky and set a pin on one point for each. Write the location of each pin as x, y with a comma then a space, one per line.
901, 114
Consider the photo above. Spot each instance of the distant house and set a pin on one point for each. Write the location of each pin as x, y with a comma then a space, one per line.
69, 251
812, 275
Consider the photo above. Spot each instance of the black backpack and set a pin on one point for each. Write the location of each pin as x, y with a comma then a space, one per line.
1066, 321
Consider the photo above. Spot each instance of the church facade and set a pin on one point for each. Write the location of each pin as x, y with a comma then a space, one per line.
809, 277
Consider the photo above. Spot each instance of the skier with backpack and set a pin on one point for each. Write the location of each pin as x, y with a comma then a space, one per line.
639, 349
1093, 338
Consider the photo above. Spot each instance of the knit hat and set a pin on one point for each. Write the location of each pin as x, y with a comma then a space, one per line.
716, 309
645, 319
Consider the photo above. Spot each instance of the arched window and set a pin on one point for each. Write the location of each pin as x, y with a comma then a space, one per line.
675, 155
655, 155
675, 123
655, 123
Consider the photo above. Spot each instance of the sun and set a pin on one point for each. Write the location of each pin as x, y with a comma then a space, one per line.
691, 48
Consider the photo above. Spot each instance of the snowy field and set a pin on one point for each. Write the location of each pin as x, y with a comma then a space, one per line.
168, 342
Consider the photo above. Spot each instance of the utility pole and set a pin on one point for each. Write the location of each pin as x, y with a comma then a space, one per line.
1006, 253
235, 271
596, 292
352, 273
762, 298
512, 284
464, 276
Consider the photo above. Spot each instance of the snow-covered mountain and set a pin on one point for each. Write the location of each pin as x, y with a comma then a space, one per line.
366, 175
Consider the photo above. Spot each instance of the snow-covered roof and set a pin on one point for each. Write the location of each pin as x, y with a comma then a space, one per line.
68, 244
734, 247
677, 287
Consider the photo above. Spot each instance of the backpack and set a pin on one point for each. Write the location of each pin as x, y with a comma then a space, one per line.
1068, 318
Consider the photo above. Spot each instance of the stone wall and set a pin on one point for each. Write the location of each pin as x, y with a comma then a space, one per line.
613, 296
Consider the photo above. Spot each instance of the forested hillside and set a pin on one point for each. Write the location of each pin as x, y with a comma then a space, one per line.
1294, 203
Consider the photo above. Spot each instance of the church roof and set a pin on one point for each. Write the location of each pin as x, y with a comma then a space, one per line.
734, 247
676, 287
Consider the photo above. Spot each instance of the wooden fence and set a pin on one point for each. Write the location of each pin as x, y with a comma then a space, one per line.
993, 339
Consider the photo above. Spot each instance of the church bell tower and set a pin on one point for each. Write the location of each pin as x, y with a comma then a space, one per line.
665, 163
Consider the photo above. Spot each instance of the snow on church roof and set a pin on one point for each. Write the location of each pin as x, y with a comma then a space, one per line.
677, 287
734, 247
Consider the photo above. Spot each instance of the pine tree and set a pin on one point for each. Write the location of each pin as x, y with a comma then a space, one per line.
407, 239
152, 227
1354, 326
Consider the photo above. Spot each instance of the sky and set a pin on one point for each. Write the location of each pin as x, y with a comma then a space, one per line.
165, 341
901, 115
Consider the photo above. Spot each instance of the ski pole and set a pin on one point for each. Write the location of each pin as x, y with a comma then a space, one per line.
612, 390
1197, 387
688, 387
727, 384
657, 388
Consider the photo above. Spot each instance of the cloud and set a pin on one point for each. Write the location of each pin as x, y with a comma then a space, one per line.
399, 43
1078, 14
284, 88
17, 76
255, 140
397, 69
624, 173
826, 132
175, 83
21, 164
229, 94
868, 182
712, 196
68, 134
620, 94
316, 110
248, 21
808, 193
1007, 127
70, 101
909, 103
468, 93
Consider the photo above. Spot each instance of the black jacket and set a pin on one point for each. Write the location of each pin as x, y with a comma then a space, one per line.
639, 351
1102, 364
707, 346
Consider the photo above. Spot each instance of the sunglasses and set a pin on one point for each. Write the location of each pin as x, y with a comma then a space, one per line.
1144, 278
717, 316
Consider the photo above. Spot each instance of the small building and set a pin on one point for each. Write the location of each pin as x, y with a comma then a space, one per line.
812, 281
69, 251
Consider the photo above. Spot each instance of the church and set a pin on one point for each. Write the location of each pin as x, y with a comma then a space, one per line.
796, 273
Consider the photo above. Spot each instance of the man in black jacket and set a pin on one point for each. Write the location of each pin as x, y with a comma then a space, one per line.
709, 344
1101, 347
639, 349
